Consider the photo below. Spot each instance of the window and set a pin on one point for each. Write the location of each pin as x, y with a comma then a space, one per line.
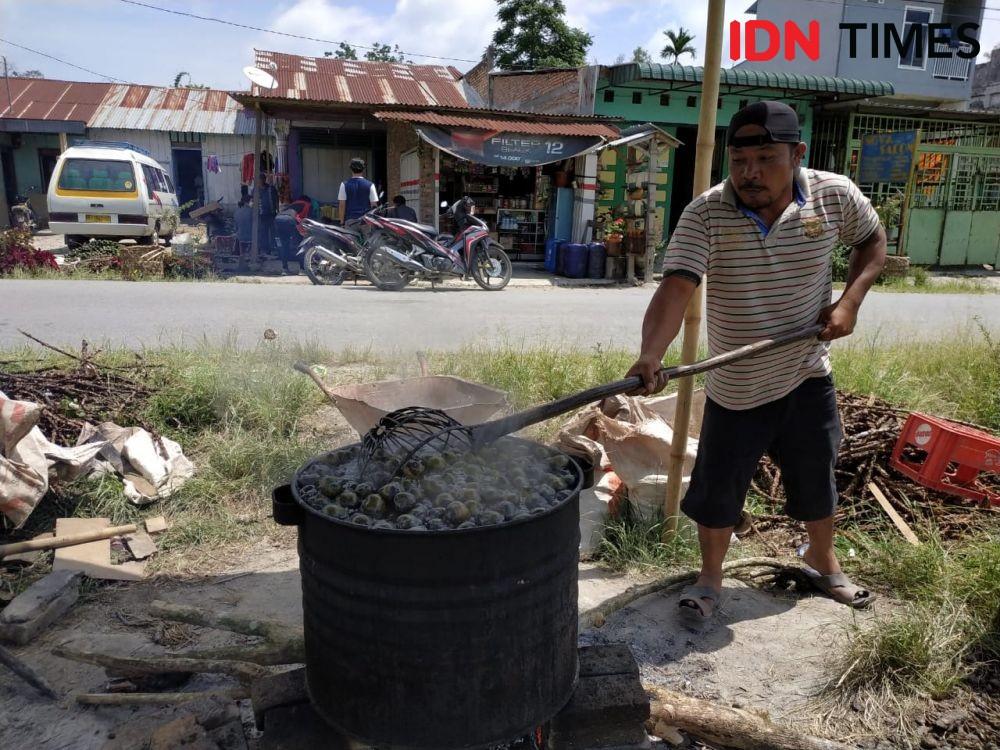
744, 103
664, 100
168, 184
101, 175
915, 57
154, 180
692, 101
637, 97
609, 95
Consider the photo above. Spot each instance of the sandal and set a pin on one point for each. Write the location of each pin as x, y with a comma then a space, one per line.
840, 588
692, 608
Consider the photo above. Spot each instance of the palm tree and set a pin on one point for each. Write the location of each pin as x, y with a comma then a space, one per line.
679, 43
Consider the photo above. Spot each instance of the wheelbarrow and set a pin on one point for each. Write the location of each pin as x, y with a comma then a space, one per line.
365, 404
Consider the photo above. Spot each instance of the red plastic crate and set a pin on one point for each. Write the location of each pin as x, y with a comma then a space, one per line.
947, 456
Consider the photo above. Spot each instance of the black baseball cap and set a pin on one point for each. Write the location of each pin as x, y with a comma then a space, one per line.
779, 120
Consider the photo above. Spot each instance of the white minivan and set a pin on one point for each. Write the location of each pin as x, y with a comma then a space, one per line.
111, 190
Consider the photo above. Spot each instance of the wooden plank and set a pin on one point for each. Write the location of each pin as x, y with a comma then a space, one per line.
93, 558
903, 527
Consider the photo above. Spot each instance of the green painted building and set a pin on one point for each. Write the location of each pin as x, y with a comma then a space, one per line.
669, 96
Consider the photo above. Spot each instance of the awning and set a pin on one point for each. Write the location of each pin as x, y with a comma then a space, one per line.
642, 133
748, 78
499, 141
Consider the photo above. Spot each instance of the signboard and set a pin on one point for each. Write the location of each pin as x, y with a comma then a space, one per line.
504, 149
887, 157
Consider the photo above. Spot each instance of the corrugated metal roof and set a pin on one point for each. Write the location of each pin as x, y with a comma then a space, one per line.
41, 99
484, 122
623, 74
179, 110
329, 79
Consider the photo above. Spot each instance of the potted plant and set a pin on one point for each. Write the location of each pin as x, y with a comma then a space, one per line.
613, 232
889, 212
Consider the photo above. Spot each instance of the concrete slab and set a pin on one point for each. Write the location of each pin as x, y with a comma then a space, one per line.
38, 606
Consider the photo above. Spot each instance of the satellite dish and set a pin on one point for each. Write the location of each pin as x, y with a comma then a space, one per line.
260, 77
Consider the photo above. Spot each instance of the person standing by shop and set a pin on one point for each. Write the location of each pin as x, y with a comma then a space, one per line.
243, 219
357, 195
288, 232
764, 237
400, 210
267, 207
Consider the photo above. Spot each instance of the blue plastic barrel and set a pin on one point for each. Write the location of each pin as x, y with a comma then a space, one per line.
596, 255
561, 258
551, 254
575, 259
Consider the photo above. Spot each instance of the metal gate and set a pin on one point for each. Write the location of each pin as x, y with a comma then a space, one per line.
953, 212
954, 216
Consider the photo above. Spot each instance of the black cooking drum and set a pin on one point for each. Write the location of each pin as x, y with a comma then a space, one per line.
451, 620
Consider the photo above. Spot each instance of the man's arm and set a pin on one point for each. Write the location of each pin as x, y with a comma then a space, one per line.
373, 196
867, 261
342, 203
660, 326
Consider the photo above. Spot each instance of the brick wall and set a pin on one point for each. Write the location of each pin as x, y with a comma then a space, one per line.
549, 92
400, 138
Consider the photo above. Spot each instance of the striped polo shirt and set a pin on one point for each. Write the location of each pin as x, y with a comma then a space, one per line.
763, 282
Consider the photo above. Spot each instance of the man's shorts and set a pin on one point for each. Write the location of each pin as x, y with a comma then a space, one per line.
800, 432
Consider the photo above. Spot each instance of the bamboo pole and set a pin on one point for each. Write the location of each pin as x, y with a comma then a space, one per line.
255, 198
692, 315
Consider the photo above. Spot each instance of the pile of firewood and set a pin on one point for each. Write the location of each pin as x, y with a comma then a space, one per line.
871, 427
86, 392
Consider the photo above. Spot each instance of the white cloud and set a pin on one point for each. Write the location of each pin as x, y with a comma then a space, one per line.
428, 27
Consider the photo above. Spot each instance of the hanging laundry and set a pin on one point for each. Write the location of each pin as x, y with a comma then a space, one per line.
247, 169
212, 164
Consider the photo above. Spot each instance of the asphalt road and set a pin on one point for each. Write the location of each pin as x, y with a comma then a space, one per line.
151, 313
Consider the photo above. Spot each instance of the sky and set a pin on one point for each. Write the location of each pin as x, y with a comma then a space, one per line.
140, 45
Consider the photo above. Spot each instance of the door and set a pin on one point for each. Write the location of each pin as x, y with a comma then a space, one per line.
9, 178
47, 159
188, 178
409, 179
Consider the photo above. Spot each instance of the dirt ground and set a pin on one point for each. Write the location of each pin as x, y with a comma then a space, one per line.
765, 652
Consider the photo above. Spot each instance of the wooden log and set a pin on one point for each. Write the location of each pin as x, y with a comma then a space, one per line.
153, 699
26, 673
128, 666
285, 643
729, 727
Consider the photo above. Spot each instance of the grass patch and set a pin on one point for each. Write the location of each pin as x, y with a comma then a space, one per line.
633, 542
946, 628
957, 376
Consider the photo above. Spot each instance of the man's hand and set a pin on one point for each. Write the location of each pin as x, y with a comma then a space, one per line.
839, 320
653, 377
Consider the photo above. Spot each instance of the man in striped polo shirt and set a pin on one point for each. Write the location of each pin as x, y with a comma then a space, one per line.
764, 238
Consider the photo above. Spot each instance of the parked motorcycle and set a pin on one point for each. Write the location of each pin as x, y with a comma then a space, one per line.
22, 215
331, 254
407, 251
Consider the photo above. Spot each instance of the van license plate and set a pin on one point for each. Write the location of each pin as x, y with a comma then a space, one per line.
97, 219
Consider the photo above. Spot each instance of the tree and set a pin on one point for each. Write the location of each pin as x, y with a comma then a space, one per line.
679, 43
180, 76
640, 55
534, 34
32, 73
379, 52
620, 60
344, 52
384, 53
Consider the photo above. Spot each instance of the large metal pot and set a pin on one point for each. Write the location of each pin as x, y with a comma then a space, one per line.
445, 639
